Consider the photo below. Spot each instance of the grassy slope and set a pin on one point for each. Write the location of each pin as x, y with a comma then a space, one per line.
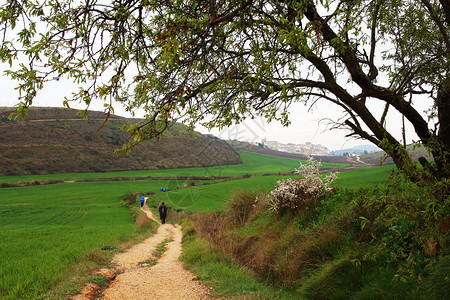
317, 254
364, 177
219, 270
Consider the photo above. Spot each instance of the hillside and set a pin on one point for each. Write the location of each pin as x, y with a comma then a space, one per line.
361, 149
57, 140
380, 157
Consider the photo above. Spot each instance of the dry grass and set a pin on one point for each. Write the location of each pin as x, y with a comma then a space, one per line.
240, 207
269, 244
142, 220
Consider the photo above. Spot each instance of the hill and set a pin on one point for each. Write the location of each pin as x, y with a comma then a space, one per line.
362, 149
57, 140
380, 157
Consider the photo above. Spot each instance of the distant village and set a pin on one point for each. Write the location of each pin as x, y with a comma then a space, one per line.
306, 149
310, 149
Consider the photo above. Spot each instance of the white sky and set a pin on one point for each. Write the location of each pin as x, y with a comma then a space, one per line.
305, 126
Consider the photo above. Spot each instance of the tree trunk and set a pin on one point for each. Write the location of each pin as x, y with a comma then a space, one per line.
446, 6
443, 106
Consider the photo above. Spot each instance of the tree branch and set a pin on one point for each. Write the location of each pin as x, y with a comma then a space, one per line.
438, 22
362, 133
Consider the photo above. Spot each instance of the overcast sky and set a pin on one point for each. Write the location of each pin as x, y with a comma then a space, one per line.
305, 125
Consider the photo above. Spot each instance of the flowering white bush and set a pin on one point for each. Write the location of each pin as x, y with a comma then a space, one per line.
303, 193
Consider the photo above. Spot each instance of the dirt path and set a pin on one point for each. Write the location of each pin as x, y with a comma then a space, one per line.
165, 280
359, 160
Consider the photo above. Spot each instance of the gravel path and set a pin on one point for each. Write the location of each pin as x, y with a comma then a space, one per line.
165, 280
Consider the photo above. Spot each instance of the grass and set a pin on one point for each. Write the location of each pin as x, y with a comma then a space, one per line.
99, 280
157, 253
317, 254
219, 270
364, 177
64, 224
161, 248
303, 257
50, 227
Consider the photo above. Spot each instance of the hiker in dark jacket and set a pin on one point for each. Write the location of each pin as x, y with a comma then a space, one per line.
163, 213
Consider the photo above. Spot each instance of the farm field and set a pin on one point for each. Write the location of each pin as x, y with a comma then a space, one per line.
252, 163
46, 228
364, 176
212, 197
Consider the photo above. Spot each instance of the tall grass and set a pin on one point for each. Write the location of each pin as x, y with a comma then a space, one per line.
313, 254
219, 270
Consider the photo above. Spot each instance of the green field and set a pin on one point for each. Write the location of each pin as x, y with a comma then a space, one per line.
365, 176
46, 228
212, 197
252, 163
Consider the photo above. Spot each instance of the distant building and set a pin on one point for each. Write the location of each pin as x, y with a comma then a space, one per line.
306, 149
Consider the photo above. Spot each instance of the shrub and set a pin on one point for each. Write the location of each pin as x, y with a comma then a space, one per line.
129, 199
240, 206
414, 218
303, 193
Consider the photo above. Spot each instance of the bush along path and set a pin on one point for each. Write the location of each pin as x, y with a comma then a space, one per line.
151, 270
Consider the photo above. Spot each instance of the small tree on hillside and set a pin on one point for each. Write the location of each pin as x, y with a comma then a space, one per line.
217, 62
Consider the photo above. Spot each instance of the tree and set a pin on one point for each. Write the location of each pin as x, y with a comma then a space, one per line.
217, 62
